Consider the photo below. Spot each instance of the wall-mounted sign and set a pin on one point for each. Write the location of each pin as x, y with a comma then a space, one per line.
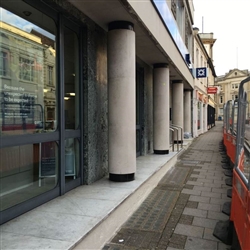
201, 72
212, 90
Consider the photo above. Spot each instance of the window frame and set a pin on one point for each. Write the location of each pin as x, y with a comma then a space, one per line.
221, 99
31, 68
5, 62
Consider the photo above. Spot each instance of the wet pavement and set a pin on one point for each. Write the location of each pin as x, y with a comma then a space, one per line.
181, 212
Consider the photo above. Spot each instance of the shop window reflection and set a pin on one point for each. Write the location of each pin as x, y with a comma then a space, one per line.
3, 63
27, 171
27, 75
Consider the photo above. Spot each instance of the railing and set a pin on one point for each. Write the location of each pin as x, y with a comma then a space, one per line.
176, 127
173, 139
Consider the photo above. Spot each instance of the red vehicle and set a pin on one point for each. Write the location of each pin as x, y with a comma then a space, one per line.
236, 138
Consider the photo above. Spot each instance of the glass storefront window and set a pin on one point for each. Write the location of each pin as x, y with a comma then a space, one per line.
27, 171
32, 165
27, 76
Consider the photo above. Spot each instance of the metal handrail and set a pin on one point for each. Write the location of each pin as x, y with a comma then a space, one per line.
179, 127
172, 138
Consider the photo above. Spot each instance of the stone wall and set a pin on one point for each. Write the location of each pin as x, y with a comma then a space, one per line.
95, 95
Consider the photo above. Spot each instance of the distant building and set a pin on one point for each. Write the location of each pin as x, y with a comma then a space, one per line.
229, 87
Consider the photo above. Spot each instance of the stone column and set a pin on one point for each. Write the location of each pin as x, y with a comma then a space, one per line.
187, 113
161, 108
178, 107
121, 101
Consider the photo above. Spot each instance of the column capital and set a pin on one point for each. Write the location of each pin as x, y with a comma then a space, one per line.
121, 25
160, 65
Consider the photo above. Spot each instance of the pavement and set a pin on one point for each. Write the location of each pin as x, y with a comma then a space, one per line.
181, 212
173, 203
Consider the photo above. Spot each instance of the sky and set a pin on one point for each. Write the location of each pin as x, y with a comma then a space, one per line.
229, 21
21, 23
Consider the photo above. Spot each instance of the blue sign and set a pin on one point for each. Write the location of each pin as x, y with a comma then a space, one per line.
201, 72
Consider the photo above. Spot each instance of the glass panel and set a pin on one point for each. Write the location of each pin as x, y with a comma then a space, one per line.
235, 114
169, 20
71, 80
71, 159
27, 171
27, 76
230, 117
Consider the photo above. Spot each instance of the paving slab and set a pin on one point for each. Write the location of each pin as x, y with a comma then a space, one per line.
195, 212
189, 230
193, 243
204, 222
209, 207
199, 198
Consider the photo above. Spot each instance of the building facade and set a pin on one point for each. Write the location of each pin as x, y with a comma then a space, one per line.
86, 88
204, 104
229, 88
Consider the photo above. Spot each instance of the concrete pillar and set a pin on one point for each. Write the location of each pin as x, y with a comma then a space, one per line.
161, 108
178, 107
187, 112
121, 101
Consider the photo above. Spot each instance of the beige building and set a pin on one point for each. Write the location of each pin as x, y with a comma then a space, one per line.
203, 103
229, 86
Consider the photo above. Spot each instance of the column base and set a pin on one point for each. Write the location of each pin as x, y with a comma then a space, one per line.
121, 177
161, 152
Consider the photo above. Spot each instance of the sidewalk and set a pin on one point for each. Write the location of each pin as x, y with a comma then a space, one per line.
182, 211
